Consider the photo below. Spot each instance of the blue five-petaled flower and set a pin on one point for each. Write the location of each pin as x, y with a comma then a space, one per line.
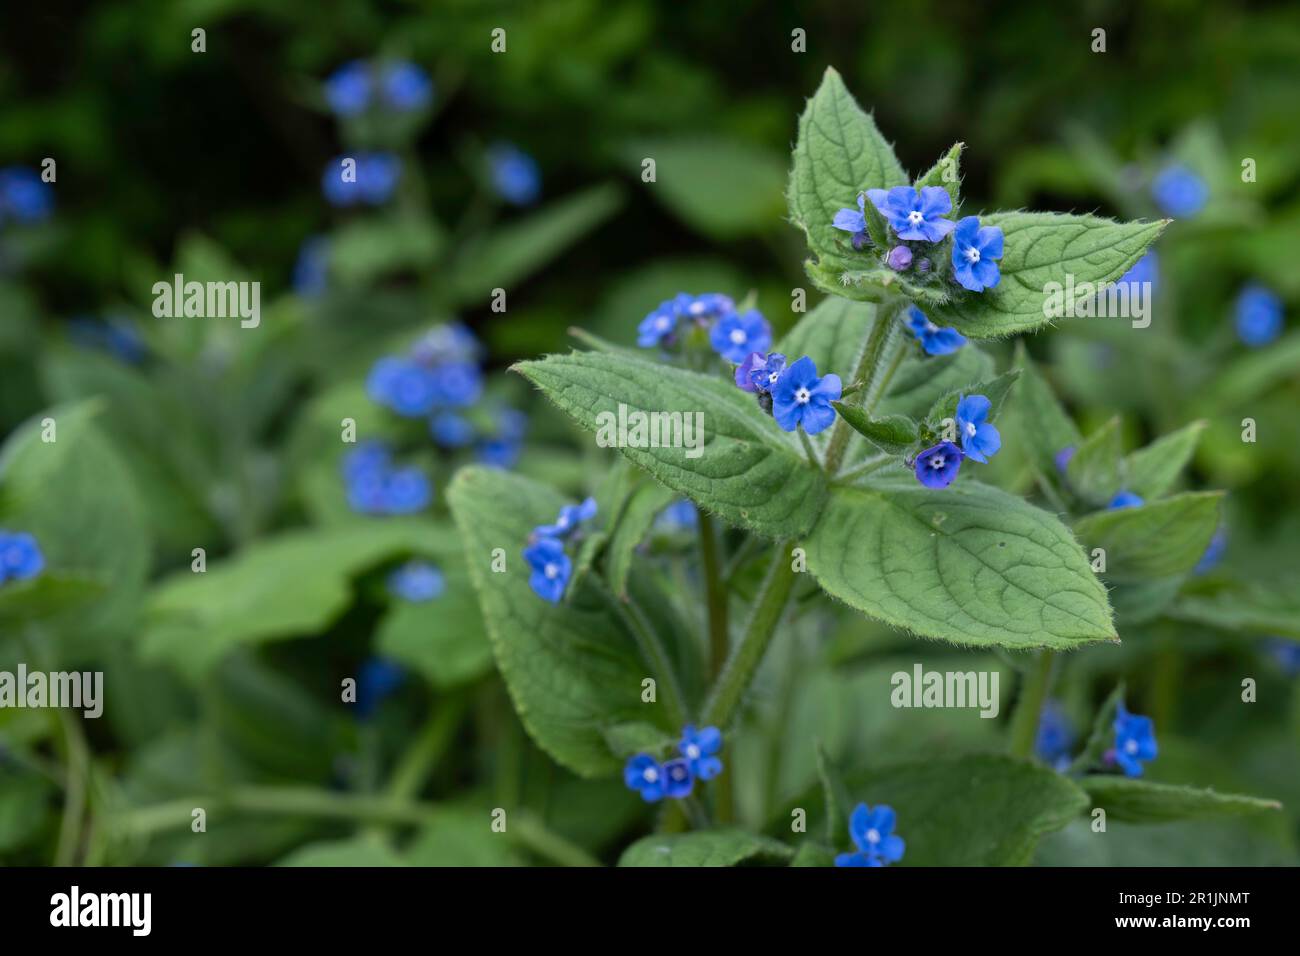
737, 335
20, 556
1135, 741
934, 340
873, 834
551, 568
569, 518
801, 398
697, 760
759, 372
979, 439
1259, 315
416, 582
854, 221
937, 466
974, 249
1125, 499
699, 750
645, 775
915, 215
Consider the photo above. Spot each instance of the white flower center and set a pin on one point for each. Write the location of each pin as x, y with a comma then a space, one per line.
662, 322
563, 521
972, 255
693, 752
970, 429
873, 836
930, 327
937, 461
772, 377
802, 396
551, 570
1131, 747
650, 775
916, 217
738, 337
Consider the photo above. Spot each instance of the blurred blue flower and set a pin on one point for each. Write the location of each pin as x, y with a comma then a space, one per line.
645, 775
569, 518
450, 430
1062, 459
406, 87
374, 487
873, 834
678, 516
116, 337
406, 490
348, 89
515, 175
916, 216
311, 270
456, 384
979, 439
499, 452
20, 556
1135, 742
1213, 552
1145, 270
1125, 499
736, 336
699, 749
1179, 192
376, 179
405, 386
1286, 654
660, 326
678, 779
937, 466
800, 397
376, 681
1055, 736
24, 196
451, 342
934, 340
703, 309
1259, 315
974, 250
416, 581
551, 569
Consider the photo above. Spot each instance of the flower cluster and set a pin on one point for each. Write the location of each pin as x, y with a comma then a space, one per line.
514, 174
937, 466
358, 86
1055, 736
24, 196
416, 581
545, 554
915, 222
20, 556
1179, 192
731, 334
376, 487
311, 268
1258, 316
792, 394
374, 182
1135, 742
872, 832
696, 760
440, 372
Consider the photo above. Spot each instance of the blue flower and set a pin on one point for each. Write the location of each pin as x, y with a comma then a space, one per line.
311, 270
376, 681
406, 87
678, 516
570, 517
872, 832
457, 384
937, 467
854, 221
979, 440
347, 89
515, 175
934, 340
1135, 742
1213, 552
899, 258
408, 388
368, 458
660, 326
376, 179
704, 308
452, 342
1259, 315
917, 217
24, 195
406, 490
1179, 191
645, 775
759, 372
20, 556
374, 487
800, 397
116, 337
1145, 270
736, 336
551, 568
1055, 736
502, 450
416, 581
1062, 458
698, 749
974, 250
451, 430
678, 779
1286, 654
1125, 499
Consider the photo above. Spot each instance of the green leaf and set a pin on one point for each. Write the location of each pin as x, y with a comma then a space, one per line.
365, 250
968, 564
892, 434
513, 252
571, 668
995, 390
456, 836
832, 335
747, 470
625, 740
443, 639
357, 851
839, 154
647, 501
922, 380
47, 595
1153, 470
946, 173
835, 796
1046, 425
813, 854
1102, 735
195, 619
722, 188
1142, 801
1094, 470
1153, 540
1041, 248
1243, 608
706, 848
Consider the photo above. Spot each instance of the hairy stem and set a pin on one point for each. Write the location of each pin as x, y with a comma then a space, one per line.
748, 652
1033, 694
652, 650
871, 365
715, 594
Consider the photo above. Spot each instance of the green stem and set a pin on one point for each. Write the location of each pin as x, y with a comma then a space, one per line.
867, 467
409, 776
748, 652
652, 650
77, 755
809, 450
715, 594
868, 371
1033, 694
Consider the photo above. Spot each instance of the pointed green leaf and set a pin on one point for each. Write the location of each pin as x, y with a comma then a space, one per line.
892, 434
1039, 249
746, 470
968, 564
1094, 470
922, 380
1048, 428
1142, 801
1155, 540
813, 854
647, 501
1153, 470
706, 848
995, 390
1244, 608
946, 173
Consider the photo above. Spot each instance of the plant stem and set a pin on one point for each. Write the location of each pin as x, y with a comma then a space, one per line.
1033, 693
715, 594
409, 776
868, 371
652, 650
809, 450
748, 652
867, 467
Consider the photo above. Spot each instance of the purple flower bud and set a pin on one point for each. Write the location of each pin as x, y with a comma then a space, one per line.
922, 265
899, 258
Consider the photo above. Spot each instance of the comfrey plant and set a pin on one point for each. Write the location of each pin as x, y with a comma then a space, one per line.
841, 460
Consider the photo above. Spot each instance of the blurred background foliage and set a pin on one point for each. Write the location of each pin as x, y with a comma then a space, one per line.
203, 434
